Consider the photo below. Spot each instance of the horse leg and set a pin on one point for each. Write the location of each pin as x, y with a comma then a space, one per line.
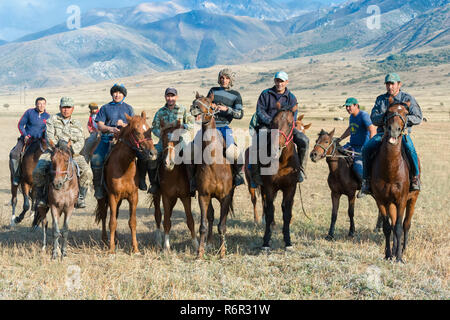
268, 214
190, 220
65, 231
398, 230
133, 201
222, 227
44, 233
203, 201
256, 217
158, 217
410, 206
26, 202
351, 214
112, 223
335, 198
286, 207
13, 204
393, 214
168, 208
379, 224
387, 232
56, 232
210, 217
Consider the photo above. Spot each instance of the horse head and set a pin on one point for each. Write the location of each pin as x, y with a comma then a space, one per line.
283, 121
323, 146
138, 135
300, 126
169, 141
395, 122
62, 164
203, 106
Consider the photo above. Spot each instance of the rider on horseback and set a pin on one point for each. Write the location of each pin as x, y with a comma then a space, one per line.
31, 126
414, 117
360, 130
169, 113
63, 127
110, 119
266, 109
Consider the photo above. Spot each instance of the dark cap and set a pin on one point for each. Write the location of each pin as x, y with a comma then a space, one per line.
172, 91
93, 106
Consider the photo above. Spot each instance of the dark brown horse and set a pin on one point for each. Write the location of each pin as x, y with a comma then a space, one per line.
285, 178
341, 178
257, 219
174, 185
390, 182
30, 158
121, 178
214, 176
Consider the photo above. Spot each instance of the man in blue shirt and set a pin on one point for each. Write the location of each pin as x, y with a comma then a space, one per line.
266, 109
31, 127
360, 130
110, 119
414, 117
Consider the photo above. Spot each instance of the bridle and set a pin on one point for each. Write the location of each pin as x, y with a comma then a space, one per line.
135, 144
211, 111
396, 114
70, 170
325, 150
289, 137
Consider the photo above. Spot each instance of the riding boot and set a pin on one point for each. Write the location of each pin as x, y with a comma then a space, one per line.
238, 178
97, 180
153, 175
365, 188
81, 197
41, 195
142, 171
415, 184
16, 171
190, 169
255, 174
301, 152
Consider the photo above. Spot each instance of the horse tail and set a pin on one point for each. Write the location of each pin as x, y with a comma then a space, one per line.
101, 210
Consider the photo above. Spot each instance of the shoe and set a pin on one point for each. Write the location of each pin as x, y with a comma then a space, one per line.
365, 188
41, 196
81, 198
415, 184
301, 175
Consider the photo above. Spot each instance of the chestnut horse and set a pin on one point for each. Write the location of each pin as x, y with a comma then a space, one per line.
301, 127
214, 176
29, 160
62, 196
121, 178
284, 179
174, 185
390, 182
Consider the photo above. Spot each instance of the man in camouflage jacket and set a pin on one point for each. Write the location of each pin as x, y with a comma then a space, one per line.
63, 127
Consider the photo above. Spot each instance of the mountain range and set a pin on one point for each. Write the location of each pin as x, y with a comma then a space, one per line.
159, 36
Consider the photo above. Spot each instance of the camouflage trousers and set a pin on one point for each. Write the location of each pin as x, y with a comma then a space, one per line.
42, 170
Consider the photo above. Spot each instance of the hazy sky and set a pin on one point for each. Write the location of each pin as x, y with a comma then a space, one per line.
21, 17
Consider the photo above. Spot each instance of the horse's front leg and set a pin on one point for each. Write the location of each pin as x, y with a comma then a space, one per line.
210, 217
158, 218
13, 204
26, 202
269, 217
190, 220
133, 201
222, 227
351, 214
387, 231
56, 232
168, 208
288, 202
112, 223
65, 231
335, 198
203, 201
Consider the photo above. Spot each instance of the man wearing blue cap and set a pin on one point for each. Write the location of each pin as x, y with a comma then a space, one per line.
414, 117
360, 130
266, 109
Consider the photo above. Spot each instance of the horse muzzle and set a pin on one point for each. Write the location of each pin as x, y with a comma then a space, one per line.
58, 184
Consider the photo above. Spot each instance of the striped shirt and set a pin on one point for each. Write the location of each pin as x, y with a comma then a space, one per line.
231, 99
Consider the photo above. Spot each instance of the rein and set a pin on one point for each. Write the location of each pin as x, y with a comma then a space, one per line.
333, 154
290, 137
71, 166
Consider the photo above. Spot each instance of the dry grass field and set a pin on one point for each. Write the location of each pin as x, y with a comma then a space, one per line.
315, 269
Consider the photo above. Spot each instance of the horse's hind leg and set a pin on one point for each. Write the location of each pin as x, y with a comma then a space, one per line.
158, 217
286, 206
269, 215
168, 208
410, 206
351, 214
203, 201
190, 220
210, 216
133, 201
13, 204
26, 202
335, 197
222, 227
379, 225
256, 217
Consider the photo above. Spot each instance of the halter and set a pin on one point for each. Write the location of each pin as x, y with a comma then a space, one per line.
207, 107
325, 150
137, 143
71, 166
396, 114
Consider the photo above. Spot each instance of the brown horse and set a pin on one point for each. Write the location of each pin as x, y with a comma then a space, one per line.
174, 185
301, 127
29, 160
121, 178
214, 176
390, 182
285, 178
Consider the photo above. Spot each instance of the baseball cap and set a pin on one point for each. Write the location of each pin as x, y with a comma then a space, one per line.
93, 106
66, 102
392, 77
281, 75
172, 91
350, 101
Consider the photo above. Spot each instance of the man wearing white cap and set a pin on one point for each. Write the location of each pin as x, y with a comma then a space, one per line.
266, 109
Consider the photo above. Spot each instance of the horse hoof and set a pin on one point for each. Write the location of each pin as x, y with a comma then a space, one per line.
351, 234
289, 248
265, 249
330, 238
195, 244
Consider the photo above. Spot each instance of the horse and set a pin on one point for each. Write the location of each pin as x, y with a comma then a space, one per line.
213, 176
256, 218
390, 182
174, 185
62, 196
29, 160
121, 178
284, 179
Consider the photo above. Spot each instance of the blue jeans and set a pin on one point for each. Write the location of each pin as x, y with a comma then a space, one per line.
357, 160
98, 158
371, 146
226, 133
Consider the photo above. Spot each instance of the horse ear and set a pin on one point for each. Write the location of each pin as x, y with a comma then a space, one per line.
211, 96
197, 95
278, 105
331, 134
391, 99
307, 126
127, 117
51, 144
143, 115
300, 117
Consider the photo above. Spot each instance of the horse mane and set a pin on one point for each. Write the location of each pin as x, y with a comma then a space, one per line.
63, 146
